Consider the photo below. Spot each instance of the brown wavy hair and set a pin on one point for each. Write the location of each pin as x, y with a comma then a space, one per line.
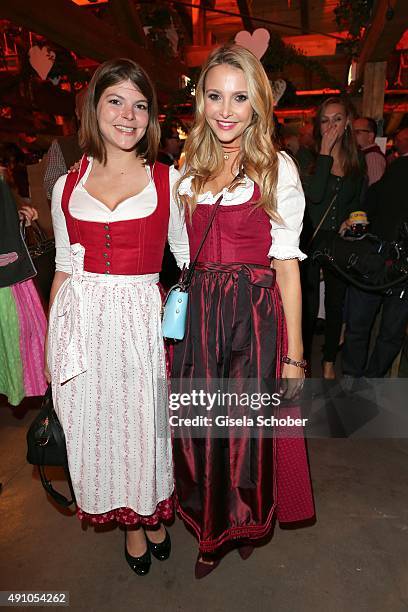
108, 74
349, 155
258, 158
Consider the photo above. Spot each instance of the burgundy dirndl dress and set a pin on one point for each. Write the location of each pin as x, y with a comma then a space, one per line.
230, 488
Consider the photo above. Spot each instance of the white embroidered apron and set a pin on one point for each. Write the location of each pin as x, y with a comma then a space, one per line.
107, 363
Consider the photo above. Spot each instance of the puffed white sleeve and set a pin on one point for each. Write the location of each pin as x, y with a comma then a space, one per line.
62, 245
177, 234
290, 207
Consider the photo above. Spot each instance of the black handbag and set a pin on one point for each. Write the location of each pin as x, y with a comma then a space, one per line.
368, 262
16, 264
42, 253
46, 447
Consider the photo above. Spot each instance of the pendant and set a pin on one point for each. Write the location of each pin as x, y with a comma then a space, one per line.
226, 156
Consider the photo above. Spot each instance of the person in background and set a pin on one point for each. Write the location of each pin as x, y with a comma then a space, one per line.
365, 131
333, 190
387, 209
22, 318
290, 144
170, 146
169, 153
306, 137
12, 156
64, 151
401, 142
305, 155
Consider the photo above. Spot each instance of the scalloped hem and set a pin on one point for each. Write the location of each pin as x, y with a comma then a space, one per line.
126, 516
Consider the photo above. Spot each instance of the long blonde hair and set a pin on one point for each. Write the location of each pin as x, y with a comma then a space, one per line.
258, 158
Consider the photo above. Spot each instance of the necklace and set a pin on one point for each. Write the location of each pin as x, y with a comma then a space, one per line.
228, 152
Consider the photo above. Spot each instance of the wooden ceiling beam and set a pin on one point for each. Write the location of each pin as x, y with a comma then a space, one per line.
126, 17
66, 24
244, 11
304, 16
383, 33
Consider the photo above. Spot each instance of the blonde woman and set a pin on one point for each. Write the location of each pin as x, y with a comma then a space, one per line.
244, 319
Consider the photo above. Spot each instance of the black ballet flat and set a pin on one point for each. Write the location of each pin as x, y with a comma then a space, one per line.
160, 551
140, 565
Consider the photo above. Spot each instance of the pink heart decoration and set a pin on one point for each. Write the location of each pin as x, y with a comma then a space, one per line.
257, 42
42, 60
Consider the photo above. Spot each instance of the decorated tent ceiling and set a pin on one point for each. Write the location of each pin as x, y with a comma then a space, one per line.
171, 38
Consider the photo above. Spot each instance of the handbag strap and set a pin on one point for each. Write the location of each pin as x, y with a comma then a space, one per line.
36, 231
60, 441
334, 198
191, 269
56, 495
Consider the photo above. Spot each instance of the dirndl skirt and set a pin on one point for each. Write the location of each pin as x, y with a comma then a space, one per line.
230, 488
22, 337
107, 363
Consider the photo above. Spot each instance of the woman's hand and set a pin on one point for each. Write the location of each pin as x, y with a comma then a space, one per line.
329, 139
345, 226
74, 167
292, 380
28, 213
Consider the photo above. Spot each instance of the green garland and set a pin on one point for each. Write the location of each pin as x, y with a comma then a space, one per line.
353, 16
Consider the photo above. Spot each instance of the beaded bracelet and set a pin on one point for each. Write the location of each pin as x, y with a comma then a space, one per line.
299, 364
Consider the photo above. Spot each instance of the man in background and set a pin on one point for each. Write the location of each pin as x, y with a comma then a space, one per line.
401, 143
365, 130
64, 151
170, 146
169, 153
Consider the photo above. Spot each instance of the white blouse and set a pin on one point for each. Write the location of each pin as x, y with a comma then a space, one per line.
87, 208
290, 206
285, 236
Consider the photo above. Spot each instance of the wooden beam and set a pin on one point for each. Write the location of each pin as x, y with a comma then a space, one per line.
66, 24
374, 86
126, 18
304, 16
244, 11
199, 24
383, 33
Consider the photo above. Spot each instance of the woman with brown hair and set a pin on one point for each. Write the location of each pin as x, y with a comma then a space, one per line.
333, 190
244, 317
105, 349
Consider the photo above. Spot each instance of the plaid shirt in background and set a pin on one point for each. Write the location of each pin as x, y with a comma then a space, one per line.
56, 167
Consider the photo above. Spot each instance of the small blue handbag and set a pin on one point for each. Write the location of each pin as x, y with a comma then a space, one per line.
176, 303
175, 313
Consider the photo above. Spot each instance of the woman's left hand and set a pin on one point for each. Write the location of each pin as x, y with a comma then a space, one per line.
292, 380
345, 226
28, 213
